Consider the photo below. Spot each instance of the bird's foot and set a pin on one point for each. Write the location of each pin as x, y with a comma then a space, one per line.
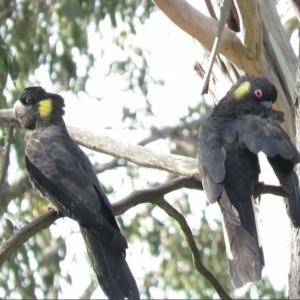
257, 191
51, 206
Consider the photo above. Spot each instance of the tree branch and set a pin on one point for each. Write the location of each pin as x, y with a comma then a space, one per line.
134, 199
7, 118
152, 195
279, 50
204, 29
224, 12
142, 156
251, 27
22, 235
291, 25
157, 133
173, 213
4, 159
168, 131
296, 6
114, 163
137, 154
89, 290
13, 191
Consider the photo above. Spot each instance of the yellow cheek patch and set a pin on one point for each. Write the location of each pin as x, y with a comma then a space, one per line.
45, 108
242, 90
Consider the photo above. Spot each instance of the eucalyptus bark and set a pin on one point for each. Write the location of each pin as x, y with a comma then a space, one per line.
294, 276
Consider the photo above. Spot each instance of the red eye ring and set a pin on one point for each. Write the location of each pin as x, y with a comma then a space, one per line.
258, 93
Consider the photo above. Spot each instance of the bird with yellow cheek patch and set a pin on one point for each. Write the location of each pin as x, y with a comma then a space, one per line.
240, 126
45, 108
242, 90
61, 171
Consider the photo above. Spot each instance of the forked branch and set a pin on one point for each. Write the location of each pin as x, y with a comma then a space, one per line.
153, 195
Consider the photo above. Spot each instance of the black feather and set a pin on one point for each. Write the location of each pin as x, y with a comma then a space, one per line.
60, 170
239, 127
112, 271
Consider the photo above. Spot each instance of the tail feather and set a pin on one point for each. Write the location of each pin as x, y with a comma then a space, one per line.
289, 181
244, 252
113, 273
293, 199
244, 256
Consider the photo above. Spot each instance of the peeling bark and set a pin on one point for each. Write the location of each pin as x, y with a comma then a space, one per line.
294, 275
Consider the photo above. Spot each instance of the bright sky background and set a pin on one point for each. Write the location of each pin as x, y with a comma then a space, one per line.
172, 54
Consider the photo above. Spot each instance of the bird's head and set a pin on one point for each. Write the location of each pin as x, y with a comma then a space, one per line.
252, 95
36, 106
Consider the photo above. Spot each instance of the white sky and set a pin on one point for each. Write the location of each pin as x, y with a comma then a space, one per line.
172, 54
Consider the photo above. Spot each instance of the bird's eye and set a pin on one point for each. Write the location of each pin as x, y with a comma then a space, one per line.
28, 101
258, 93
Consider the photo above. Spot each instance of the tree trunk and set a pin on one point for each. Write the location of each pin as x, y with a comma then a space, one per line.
294, 278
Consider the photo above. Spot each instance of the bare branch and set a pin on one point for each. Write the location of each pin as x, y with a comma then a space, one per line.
90, 289
137, 154
154, 194
261, 189
13, 191
173, 213
173, 132
278, 49
142, 156
7, 118
22, 235
251, 27
204, 29
296, 6
291, 25
135, 198
224, 12
114, 163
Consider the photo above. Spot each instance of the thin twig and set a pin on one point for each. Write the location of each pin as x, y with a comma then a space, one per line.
175, 214
224, 12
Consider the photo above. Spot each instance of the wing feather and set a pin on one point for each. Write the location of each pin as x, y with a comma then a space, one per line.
265, 134
262, 134
212, 156
61, 177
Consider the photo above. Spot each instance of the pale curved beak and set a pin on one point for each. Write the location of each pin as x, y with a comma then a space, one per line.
18, 109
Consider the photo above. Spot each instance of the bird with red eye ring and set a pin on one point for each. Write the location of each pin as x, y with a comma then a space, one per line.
240, 126
258, 93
